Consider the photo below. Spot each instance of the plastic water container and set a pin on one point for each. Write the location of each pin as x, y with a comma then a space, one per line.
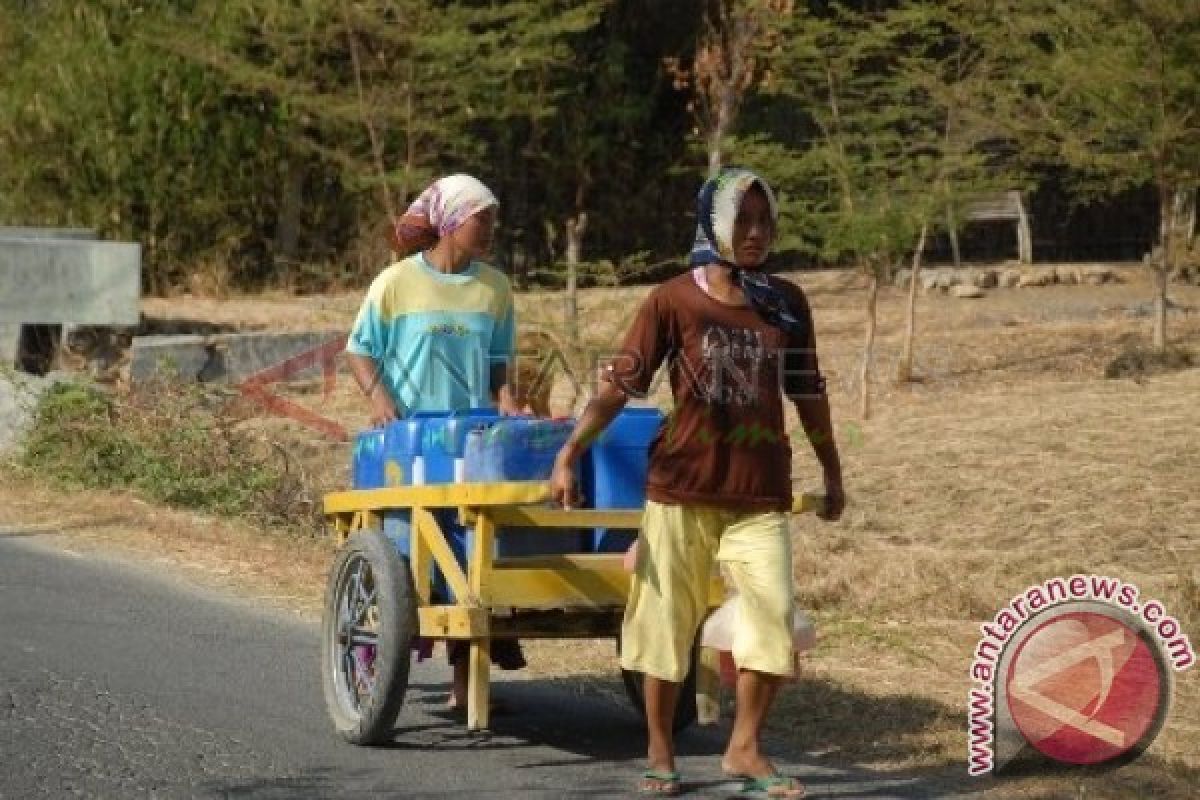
444, 438
366, 466
522, 449
616, 476
515, 449
402, 452
385, 456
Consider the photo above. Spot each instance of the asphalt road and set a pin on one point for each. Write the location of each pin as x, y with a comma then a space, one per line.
117, 682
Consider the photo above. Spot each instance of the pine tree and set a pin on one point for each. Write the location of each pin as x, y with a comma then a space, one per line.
1113, 88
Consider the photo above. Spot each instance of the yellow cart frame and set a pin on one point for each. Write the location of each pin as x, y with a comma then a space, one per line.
552, 596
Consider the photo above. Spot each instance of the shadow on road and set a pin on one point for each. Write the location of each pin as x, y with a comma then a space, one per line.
560, 730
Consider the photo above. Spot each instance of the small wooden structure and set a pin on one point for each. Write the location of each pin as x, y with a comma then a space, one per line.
998, 206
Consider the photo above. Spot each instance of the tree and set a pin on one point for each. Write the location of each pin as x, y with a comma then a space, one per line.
1113, 95
727, 64
951, 70
875, 123
99, 130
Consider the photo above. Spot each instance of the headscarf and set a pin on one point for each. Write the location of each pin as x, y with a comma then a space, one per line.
716, 211
440, 210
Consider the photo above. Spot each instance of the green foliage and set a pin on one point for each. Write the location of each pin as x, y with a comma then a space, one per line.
874, 124
174, 445
1113, 87
271, 138
101, 130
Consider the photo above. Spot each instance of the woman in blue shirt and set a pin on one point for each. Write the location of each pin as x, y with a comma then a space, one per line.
437, 333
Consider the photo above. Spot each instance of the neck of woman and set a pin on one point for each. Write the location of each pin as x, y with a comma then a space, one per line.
721, 284
445, 257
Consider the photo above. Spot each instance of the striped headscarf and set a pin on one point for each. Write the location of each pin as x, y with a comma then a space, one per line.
716, 210
440, 210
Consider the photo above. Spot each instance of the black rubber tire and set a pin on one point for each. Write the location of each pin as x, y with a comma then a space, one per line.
370, 719
685, 708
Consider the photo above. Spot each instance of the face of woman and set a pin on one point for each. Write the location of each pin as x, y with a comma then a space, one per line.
475, 236
753, 229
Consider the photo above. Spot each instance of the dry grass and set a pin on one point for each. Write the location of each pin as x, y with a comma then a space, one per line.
1010, 461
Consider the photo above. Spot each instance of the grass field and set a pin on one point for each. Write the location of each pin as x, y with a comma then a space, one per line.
1010, 460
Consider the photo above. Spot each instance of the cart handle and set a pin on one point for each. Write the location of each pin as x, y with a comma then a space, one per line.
808, 502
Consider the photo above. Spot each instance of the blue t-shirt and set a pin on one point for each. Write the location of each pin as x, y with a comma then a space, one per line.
436, 335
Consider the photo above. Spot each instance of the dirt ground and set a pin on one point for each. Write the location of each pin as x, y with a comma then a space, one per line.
1010, 460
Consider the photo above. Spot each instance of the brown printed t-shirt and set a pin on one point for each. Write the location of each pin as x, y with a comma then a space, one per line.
724, 444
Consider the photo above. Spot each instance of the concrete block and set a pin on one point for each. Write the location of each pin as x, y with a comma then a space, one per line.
226, 358
47, 233
57, 281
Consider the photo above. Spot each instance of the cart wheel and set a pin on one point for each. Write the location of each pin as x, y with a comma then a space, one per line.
685, 707
369, 623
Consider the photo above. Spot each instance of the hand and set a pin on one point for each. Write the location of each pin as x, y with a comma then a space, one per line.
507, 404
835, 499
562, 484
383, 410
509, 408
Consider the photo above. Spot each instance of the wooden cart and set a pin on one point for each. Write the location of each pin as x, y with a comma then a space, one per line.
378, 600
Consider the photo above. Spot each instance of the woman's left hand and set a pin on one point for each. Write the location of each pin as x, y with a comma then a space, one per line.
507, 404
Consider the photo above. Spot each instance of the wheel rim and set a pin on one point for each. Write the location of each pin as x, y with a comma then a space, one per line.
355, 635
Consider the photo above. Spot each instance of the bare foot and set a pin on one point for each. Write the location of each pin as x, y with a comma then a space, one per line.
745, 763
660, 783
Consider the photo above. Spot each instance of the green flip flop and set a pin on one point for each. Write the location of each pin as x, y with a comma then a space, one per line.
665, 783
775, 786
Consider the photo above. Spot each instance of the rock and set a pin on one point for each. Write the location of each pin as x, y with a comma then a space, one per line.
930, 281
1030, 277
1009, 278
229, 357
902, 278
982, 278
19, 396
1097, 276
966, 291
1068, 275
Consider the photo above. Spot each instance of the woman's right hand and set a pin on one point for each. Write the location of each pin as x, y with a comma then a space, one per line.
562, 484
383, 410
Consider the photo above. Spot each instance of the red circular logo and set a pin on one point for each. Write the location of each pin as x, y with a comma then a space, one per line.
1085, 688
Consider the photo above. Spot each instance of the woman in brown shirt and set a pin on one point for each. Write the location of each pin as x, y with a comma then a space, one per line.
735, 342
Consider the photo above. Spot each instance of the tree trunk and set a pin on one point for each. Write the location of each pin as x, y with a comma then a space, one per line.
904, 372
576, 226
726, 109
287, 223
1165, 267
952, 229
869, 345
1185, 209
1024, 232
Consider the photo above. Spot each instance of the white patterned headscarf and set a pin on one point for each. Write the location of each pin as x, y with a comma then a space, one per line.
716, 211
439, 211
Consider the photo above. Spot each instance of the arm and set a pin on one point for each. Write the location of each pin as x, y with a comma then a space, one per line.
501, 352
601, 410
818, 427
645, 347
804, 385
366, 374
502, 391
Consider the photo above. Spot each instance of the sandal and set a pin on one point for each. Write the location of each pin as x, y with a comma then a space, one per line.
660, 783
775, 786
